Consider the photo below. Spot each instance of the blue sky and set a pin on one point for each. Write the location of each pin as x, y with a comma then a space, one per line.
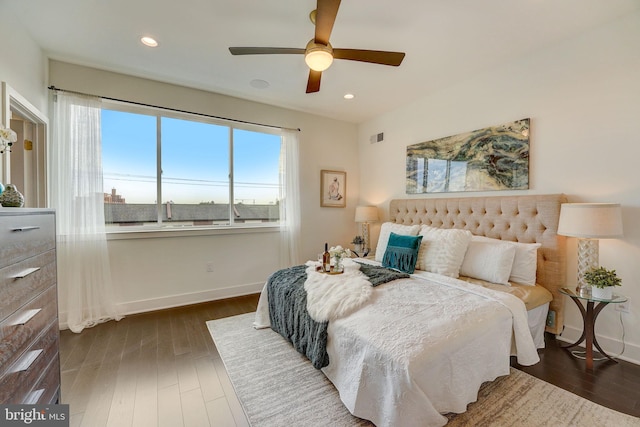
195, 160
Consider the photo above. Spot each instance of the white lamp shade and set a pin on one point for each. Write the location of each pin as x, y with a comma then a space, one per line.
366, 214
590, 220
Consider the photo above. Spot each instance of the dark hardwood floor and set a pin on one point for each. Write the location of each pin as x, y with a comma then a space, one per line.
162, 368
610, 384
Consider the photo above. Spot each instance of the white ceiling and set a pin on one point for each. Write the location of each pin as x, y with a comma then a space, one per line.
445, 42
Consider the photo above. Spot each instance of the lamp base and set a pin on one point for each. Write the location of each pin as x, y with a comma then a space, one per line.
365, 235
588, 254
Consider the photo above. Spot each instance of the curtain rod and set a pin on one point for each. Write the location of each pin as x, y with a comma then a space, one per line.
52, 87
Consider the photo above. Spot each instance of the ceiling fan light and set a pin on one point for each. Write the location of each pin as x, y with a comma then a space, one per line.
318, 60
318, 57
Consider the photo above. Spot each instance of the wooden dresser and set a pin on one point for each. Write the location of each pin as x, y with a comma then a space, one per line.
29, 332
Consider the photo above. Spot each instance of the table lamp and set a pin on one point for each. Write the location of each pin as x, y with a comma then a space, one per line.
589, 222
366, 215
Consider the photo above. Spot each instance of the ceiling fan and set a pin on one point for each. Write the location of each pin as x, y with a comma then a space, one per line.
319, 54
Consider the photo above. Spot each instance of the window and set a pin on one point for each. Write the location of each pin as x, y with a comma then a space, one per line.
183, 171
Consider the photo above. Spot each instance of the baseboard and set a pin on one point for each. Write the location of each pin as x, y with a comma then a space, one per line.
143, 306
153, 304
613, 346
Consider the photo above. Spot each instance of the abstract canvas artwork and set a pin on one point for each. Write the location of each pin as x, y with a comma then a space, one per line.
493, 158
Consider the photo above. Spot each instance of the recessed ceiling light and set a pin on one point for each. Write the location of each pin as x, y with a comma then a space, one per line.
259, 84
149, 41
349, 96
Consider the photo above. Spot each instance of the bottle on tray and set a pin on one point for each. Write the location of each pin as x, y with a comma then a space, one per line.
326, 259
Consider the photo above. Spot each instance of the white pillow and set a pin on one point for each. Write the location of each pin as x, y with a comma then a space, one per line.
525, 262
386, 230
490, 261
442, 250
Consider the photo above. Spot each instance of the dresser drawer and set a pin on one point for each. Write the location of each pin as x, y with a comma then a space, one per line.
25, 235
18, 380
20, 282
16, 337
47, 390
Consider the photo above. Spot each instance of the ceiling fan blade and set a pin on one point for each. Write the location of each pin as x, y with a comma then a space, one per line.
326, 12
372, 56
265, 50
313, 85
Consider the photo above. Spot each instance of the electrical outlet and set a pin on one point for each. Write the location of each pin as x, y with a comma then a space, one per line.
210, 267
623, 306
551, 319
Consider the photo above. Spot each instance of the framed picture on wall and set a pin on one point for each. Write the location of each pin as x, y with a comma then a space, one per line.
493, 158
333, 189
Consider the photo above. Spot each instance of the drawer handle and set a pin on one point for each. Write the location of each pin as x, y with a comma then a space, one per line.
27, 228
33, 397
24, 273
25, 317
26, 361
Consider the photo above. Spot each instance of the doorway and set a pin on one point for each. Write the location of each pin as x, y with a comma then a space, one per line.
25, 165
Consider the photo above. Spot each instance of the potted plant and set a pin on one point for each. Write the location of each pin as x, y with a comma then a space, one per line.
602, 282
358, 244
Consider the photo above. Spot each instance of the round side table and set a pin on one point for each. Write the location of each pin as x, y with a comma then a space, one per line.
589, 316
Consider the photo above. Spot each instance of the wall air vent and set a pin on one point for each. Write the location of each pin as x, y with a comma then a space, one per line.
379, 137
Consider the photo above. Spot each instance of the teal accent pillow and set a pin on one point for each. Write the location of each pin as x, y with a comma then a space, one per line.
402, 252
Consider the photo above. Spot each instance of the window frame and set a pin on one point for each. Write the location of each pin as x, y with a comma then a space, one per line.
161, 229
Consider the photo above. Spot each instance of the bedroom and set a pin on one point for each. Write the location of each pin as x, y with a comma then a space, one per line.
581, 94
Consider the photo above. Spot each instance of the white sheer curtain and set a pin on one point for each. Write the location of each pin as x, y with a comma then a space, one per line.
76, 190
289, 199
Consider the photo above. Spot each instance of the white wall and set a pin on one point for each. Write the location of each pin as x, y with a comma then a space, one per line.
23, 65
583, 98
166, 271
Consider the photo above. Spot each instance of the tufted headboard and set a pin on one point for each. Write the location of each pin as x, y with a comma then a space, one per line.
526, 219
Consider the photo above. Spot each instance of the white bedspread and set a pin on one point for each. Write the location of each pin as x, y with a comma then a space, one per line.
422, 347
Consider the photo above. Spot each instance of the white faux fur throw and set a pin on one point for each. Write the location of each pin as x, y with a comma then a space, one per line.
331, 296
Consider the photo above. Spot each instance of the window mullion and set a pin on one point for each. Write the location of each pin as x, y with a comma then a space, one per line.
231, 199
159, 168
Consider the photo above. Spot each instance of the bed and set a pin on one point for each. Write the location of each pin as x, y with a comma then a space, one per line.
421, 346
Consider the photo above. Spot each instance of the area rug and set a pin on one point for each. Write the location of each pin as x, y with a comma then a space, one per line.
279, 387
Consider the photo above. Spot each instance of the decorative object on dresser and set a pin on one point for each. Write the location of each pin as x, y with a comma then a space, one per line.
589, 222
7, 138
366, 215
493, 158
11, 197
29, 333
333, 189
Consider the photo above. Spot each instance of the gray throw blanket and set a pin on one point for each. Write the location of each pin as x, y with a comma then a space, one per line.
379, 275
288, 309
